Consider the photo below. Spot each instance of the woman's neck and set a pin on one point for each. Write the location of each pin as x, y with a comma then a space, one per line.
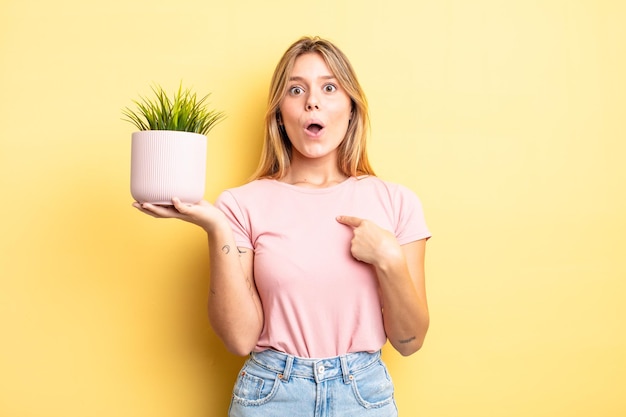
313, 177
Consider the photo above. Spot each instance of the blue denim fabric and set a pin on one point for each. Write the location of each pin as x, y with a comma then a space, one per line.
274, 384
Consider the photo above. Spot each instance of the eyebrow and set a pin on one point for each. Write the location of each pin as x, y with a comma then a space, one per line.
323, 77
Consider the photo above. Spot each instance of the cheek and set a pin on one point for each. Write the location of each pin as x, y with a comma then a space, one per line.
342, 109
289, 113
342, 118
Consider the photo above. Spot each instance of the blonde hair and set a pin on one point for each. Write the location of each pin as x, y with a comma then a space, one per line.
276, 152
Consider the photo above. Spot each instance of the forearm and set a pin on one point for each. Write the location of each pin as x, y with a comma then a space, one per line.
405, 310
234, 307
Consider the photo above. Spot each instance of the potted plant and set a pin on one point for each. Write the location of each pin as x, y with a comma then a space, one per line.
168, 153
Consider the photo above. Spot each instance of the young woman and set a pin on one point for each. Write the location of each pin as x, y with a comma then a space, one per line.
316, 262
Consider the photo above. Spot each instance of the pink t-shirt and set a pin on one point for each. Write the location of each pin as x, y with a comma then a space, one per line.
318, 301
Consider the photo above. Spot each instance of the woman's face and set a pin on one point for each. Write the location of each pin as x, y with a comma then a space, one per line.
316, 110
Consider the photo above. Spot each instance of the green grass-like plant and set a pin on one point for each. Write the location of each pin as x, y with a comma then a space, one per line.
183, 112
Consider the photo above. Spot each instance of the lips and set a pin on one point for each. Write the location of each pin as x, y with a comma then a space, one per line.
314, 127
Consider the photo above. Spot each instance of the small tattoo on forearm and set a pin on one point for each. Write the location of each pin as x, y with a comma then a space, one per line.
410, 339
226, 249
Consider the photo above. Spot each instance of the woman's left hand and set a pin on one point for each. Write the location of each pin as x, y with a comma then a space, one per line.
371, 243
400, 272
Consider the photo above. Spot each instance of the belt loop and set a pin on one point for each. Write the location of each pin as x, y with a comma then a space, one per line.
288, 366
344, 369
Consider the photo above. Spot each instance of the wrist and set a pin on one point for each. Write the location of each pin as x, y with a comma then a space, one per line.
216, 224
390, 258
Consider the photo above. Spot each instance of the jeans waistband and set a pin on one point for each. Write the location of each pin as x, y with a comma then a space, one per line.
286, 365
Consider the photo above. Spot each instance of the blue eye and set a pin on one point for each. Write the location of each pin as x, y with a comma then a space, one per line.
329, 88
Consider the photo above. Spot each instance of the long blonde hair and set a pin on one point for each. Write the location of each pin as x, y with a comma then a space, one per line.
276, 152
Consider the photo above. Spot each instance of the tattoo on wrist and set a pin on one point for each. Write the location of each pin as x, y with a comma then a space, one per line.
410, 339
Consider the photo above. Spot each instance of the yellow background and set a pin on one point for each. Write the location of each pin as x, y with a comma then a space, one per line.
506, 117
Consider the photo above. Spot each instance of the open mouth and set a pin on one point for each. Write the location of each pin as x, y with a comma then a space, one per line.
314, 128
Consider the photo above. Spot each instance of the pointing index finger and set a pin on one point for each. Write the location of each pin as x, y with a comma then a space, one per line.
350, 221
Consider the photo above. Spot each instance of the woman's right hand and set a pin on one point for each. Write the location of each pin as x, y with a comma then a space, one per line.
203, 213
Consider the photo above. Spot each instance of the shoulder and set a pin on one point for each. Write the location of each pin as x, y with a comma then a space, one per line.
383, 187
253, 186
251, 189
243, 202
375, 182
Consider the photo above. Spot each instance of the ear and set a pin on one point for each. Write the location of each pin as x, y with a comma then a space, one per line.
279, 118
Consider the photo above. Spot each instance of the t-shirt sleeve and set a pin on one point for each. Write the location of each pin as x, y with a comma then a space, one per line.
239, 221
410, 221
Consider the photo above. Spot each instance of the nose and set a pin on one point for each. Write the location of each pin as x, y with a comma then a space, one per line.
312, 103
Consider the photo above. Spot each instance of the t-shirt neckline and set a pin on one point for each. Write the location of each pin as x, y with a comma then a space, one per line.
311, 190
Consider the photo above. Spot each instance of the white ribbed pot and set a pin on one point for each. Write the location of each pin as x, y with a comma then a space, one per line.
167, 164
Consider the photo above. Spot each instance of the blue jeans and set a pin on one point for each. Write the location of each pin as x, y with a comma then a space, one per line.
274, 384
